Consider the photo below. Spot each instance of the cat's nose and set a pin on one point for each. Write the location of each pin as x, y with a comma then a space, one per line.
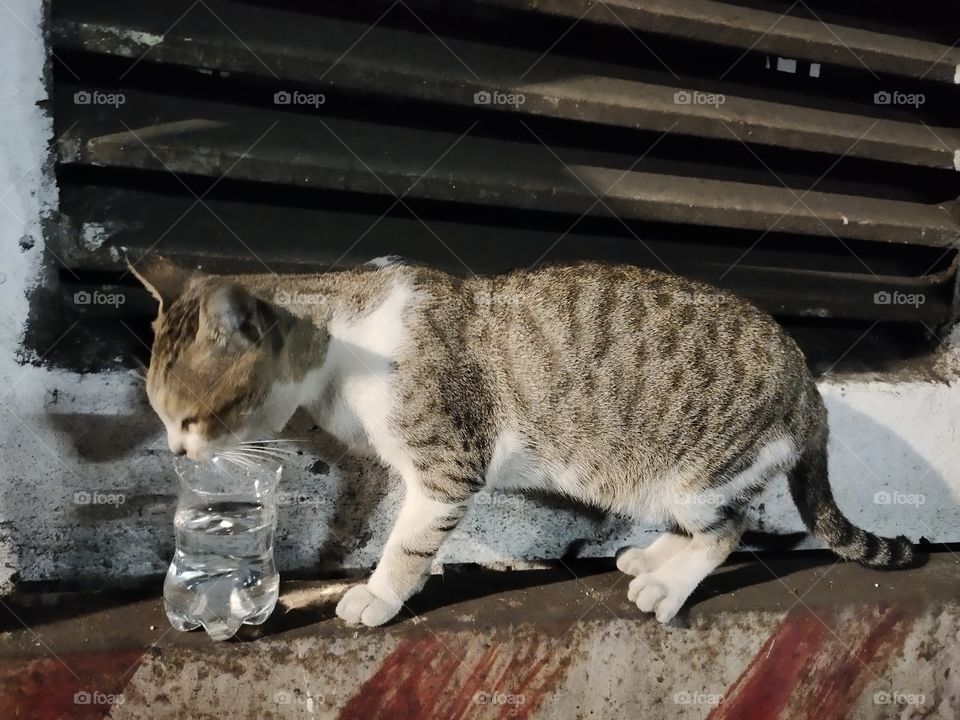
176, 443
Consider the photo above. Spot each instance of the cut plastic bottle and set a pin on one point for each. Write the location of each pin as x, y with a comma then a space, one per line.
223, 574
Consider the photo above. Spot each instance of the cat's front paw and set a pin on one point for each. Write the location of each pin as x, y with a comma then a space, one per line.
360, 606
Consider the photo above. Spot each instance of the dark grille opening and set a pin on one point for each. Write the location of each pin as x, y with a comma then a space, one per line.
799, 190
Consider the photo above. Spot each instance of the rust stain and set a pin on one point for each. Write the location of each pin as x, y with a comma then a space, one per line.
764, 688
427, 677
82, 687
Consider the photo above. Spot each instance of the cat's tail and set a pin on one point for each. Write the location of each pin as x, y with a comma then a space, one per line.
810, 488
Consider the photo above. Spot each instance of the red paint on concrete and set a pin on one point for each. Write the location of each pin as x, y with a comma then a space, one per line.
389, 692
450, 679
76, 686
815, 666
466, 698
765, 686
533, 685
853, 662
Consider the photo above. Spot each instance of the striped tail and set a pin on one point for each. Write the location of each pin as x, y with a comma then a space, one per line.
810, 488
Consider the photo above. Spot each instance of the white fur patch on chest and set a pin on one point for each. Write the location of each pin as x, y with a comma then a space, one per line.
354, 383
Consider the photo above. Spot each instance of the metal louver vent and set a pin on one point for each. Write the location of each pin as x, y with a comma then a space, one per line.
804, 157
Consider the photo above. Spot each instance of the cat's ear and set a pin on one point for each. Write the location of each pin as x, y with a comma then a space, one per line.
162, 279
229, 317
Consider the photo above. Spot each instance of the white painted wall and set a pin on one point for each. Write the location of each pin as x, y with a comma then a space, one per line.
62, 433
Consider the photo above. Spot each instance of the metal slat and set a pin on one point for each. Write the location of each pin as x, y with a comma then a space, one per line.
313, 51
756, 29
209, 139
234, 235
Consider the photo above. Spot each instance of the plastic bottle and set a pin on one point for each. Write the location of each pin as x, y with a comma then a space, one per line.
223, 574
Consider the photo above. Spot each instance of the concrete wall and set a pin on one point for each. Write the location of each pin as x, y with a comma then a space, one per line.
66, 437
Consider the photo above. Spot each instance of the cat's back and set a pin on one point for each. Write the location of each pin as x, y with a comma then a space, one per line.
598, 346
602, 308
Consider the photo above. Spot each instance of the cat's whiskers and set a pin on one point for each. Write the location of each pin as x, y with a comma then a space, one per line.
237, 464
265, 448
265, 456
250, 456
268, 443
236, 460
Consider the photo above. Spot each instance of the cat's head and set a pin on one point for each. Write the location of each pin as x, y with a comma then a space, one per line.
213, 374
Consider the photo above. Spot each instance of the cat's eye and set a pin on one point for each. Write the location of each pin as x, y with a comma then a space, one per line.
187, 422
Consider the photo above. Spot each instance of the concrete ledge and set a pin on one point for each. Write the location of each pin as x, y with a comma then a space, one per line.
771, 637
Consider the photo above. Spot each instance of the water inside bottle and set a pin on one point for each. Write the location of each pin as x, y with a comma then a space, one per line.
223, 574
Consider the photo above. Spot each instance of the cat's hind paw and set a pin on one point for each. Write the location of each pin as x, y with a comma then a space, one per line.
655, 595
359, 606
634, 562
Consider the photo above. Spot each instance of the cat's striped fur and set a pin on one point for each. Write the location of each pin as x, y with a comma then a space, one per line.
643, 393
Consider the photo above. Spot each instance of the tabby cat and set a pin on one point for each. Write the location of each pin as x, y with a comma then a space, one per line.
649, 395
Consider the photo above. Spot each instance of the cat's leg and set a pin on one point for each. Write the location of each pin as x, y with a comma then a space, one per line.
714, 516
639, 560
664, 590
421, 527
